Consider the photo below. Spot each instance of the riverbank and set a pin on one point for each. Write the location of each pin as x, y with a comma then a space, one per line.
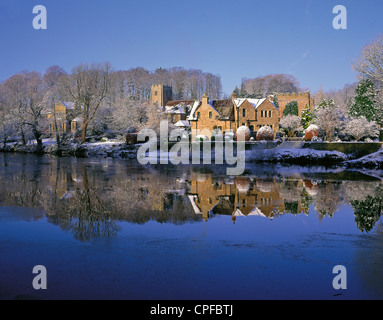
299, 153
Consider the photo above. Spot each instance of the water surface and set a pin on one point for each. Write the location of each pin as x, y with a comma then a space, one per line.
113, 229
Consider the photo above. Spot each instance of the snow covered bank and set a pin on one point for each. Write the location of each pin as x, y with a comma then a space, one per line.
296, 156
371, 161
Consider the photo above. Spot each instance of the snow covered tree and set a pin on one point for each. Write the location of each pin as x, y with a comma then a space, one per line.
23, 96
88, 86
367, 212
361, 128
365, 101
329, 117
307, 116
370, 63
290, 124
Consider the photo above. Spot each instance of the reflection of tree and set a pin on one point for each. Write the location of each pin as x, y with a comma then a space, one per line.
306, 201
85, 215
367, 212
328, 198
291, 207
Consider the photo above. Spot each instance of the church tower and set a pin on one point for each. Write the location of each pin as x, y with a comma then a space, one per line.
160, 94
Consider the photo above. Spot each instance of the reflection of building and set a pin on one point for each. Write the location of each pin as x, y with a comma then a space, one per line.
239, 197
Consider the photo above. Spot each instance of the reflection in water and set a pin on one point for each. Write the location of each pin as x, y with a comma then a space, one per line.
88, 197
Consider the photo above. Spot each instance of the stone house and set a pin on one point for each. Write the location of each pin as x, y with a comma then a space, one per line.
230, 114
66, 116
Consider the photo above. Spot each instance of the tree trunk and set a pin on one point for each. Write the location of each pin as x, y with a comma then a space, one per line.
39, 141
23, 137
83, 133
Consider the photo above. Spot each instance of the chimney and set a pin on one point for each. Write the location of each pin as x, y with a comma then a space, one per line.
205, 99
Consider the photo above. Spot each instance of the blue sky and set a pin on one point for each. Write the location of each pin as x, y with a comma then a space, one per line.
234, 39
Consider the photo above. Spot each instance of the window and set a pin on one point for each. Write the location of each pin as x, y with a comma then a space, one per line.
155, 93
243, 112
210, 114
261, 113
198, 115
270, 113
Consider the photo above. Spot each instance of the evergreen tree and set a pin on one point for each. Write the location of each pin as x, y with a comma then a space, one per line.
307, 116
236, 91
291, 108
365, 103
276, 102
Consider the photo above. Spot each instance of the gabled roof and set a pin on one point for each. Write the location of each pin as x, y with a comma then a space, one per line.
173, 103
195, 106
68, 104
182, 123
224, 107
174, 109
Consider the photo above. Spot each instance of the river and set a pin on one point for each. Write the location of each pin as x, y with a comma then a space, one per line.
115, 229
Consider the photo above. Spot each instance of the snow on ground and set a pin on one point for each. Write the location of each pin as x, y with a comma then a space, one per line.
373, 160
289, 155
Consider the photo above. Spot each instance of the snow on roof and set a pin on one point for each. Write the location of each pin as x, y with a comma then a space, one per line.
194, 108
254, 102
182, 123
196, 209
68, 104
174, 109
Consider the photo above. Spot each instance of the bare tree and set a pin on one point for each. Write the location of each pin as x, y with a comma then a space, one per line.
51, 80
88, 86
370, 63
24, 94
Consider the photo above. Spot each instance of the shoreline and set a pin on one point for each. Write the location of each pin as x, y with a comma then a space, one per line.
269, 152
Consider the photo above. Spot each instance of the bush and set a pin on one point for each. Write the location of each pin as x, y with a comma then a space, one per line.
243, 130
311, 132
265, 133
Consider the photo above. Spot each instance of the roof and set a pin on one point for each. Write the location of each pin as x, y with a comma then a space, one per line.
68, 104
182, 123
224, 107
174, 109
173, 103
195, 106
254, 102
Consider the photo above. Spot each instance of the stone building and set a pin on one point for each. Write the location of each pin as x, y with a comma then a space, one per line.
160, 94
302, 99
66, 118
230, 114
